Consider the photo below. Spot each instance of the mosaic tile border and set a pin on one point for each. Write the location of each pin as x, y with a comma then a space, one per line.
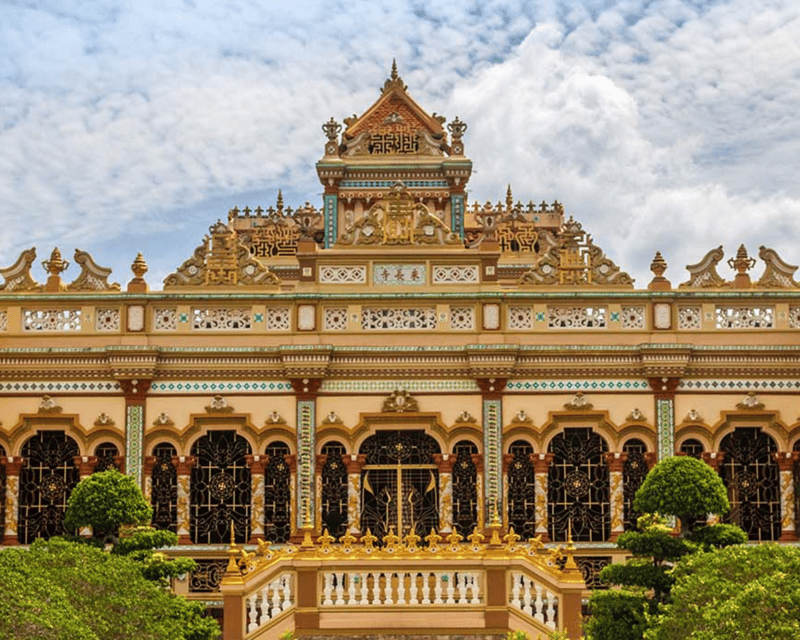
712, 384
387, 184
134, 437
665, 414
387, 386
306, 418
59, 387
201, 388
493, 448
577, 385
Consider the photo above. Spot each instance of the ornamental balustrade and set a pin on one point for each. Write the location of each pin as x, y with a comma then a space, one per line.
359, 315
453, 584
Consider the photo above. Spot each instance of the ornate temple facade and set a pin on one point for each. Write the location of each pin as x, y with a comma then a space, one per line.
398, 370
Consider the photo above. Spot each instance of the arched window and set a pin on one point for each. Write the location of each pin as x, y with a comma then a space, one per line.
221, 488
753, 480
164, 488
334, 490
633, 474
522, 490
577, 487
277, 494
106, 454
45, 483
465, 488
692, 448
400, 483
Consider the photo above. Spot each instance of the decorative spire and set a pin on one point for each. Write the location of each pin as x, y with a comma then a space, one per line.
279, 203
742, 263
394, 79
394, 75
658, 266
54, 267
509, 198
139, 268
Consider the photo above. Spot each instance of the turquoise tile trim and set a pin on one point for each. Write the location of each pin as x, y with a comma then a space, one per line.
306, 410
134, 437
387, 386
577, 385
258, 317
331, 220
457, 214
492, 462
388, 184
262, 386
540, 316
665, 415
183, 317
712, 384
59, 386
614, 316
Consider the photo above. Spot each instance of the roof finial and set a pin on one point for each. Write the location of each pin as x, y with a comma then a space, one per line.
394, 75
509, 197
280, 201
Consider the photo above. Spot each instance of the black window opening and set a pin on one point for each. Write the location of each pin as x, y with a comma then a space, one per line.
400, 483
220, 495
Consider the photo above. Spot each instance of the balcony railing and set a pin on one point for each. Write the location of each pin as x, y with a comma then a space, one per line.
450, 585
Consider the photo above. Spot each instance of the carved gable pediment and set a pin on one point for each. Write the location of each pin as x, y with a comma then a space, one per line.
394, 125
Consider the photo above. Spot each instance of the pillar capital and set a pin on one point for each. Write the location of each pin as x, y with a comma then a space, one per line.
615, 461
13, 464
542, 461
491, 388
257, 463
184, 464
713, 459
291, 461
444, 461
85, 465
306, 388
477, 460
135, 389
354, 461
786, 459
150, 463
507, 459
664, 387
650, 458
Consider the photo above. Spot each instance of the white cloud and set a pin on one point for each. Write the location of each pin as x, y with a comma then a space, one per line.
661, 125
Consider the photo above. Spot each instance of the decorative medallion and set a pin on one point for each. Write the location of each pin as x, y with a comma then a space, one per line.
400, 402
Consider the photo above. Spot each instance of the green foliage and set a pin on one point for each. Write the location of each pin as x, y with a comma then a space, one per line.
741, 591
654, 543
717, 536
60, 590
140, 544
682, 486
104, 501
618, 615
640, 572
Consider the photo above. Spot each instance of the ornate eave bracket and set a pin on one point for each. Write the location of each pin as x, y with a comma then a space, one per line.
704, 273
18, 276
92, 277
777, 273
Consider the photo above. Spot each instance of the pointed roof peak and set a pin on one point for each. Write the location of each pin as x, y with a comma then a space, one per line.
394, 80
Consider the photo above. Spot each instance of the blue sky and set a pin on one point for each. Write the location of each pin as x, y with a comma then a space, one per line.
132, 126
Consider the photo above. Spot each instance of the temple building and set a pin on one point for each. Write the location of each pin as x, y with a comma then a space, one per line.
420, 402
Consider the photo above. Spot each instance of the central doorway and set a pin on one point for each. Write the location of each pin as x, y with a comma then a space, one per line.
400, 483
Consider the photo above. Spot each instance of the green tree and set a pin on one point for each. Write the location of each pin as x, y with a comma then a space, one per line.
737, 592
684, 487
104, 501
110, 503
62, 590
678, 486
